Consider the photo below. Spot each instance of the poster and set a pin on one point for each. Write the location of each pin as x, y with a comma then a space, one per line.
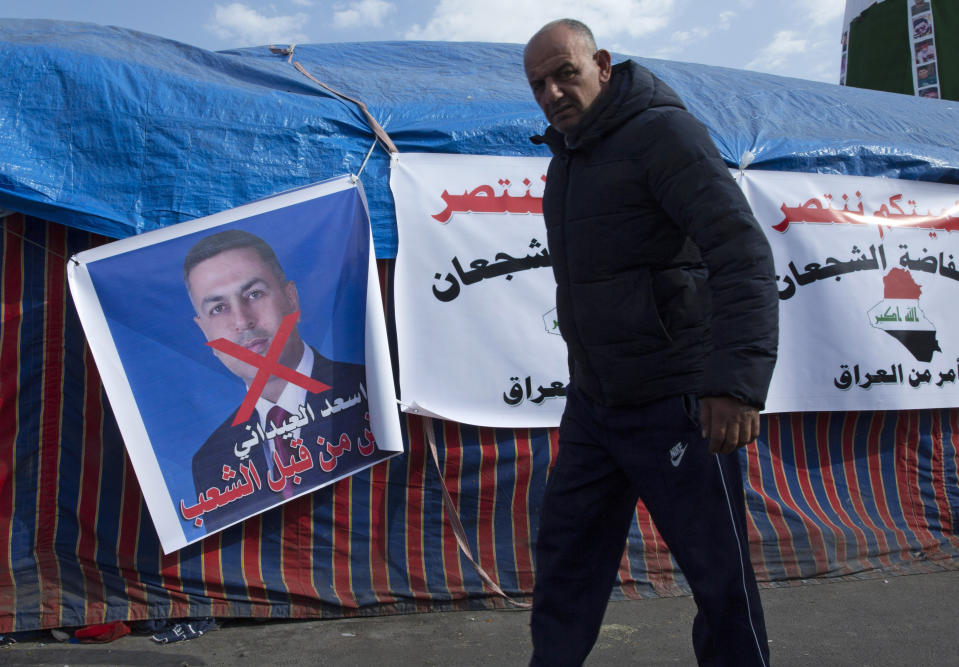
922, 45
244, 355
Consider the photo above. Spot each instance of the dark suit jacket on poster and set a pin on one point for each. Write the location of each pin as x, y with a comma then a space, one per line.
332, 456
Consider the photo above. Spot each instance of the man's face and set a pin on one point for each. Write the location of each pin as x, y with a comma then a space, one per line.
237, 297
566, 77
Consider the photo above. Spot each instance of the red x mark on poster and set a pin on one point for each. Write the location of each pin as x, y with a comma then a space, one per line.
268, 366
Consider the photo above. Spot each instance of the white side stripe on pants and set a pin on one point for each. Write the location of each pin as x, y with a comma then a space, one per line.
742, 566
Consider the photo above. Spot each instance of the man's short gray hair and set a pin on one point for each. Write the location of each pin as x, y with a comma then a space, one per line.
578, 28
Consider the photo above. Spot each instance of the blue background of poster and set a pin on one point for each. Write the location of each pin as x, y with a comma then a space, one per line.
182, 391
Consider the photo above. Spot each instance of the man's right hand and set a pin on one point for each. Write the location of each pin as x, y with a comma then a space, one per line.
728, 423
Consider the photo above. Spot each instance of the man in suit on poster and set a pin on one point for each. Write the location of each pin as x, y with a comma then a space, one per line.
310, 421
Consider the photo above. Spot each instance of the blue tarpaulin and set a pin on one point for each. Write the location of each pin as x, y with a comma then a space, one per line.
118, 132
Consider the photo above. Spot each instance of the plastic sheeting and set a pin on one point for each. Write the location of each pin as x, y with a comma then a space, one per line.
118, 132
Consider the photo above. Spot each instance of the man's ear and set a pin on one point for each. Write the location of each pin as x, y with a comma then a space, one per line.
199, 323
605, 63
196, 321
291, 294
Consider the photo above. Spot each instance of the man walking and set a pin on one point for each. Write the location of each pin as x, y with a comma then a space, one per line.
667, 301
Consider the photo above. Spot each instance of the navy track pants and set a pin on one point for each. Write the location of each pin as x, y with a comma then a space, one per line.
608, 458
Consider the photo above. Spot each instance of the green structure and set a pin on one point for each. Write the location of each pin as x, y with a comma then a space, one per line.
903, 46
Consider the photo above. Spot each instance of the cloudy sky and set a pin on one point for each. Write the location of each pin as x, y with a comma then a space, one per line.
799, 38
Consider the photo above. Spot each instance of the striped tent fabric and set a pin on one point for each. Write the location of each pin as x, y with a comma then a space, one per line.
829, 495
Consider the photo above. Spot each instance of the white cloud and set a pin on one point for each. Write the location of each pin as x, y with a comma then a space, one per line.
363, 13
516, 20
240, 23
821, 12
808, 52
784, 45
303, 3
821, 62
686, 36
680, 39
789, 54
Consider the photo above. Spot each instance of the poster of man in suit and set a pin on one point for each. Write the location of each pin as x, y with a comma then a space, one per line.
244, 355
242, 298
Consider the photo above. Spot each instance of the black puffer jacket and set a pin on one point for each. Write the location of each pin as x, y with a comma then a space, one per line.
665, 282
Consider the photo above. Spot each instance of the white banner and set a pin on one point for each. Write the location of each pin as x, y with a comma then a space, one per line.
868, 287
475, 298
867, 276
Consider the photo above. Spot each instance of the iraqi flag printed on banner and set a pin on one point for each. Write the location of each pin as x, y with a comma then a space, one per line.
900, 315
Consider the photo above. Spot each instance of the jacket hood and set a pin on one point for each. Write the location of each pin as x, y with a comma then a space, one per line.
633, 89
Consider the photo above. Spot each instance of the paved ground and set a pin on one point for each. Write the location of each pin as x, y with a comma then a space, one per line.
906, 620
